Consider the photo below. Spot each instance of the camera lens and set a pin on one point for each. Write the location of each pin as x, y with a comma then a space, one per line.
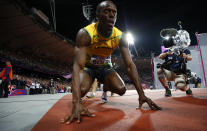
168, 42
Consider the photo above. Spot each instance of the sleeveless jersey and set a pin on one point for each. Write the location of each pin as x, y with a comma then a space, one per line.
101, 47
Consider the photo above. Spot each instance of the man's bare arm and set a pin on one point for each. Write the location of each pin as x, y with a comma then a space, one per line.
133, 74
130, 66
82, 41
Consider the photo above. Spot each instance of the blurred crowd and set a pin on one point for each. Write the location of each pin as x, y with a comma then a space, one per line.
38, 85
30, 61
143, 66
29, 73
35, 74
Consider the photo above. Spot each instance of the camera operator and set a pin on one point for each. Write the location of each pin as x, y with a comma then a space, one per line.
175, 56
175, 70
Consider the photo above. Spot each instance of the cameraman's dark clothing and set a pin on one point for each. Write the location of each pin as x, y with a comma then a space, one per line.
174, 68
175, 62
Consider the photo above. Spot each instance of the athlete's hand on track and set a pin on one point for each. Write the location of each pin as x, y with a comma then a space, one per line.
77, 111
152, 105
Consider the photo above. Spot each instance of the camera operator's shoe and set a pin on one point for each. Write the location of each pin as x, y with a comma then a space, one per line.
104, 97
168, 93
189, 92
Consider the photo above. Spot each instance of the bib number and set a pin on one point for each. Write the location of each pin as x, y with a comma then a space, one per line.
98, 61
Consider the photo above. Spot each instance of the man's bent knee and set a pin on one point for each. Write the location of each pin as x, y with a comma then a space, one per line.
122, 91
84, 91
160, 74
180, 83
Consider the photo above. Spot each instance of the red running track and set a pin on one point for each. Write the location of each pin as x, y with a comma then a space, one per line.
179, 113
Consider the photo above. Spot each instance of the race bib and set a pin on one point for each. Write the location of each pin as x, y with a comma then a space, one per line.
99, 60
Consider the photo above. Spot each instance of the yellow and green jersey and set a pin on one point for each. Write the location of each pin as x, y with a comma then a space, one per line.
101, 47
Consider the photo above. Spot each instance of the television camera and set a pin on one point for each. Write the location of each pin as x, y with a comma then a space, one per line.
175, 41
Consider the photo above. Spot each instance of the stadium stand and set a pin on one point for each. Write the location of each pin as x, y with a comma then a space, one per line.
38, 53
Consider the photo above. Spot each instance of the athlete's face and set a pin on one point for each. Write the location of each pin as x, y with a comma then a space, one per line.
107, 15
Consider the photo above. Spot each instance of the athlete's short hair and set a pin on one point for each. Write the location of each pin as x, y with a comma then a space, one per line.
100, 6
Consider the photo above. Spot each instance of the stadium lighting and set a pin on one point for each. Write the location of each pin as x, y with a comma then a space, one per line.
130, 38
167, 37
130, 41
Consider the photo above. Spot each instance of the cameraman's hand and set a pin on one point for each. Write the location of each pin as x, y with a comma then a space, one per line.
184, 56
163, 55
169, 53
